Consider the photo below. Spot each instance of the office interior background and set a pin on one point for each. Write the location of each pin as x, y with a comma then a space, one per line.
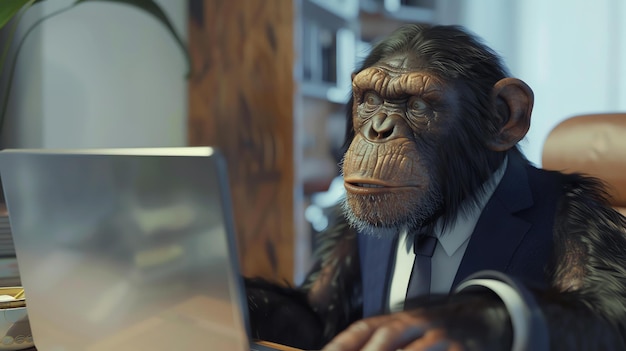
103, 76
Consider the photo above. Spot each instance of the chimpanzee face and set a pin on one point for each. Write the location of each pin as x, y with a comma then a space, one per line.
433, 115
400, 118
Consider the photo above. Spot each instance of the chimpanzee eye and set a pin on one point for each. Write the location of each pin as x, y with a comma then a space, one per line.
417, 105
372, 99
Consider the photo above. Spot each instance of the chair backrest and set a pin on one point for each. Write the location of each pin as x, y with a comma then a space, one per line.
592, 144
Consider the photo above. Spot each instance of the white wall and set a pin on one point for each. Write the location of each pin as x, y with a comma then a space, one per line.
571, 52
100, 75
105, 75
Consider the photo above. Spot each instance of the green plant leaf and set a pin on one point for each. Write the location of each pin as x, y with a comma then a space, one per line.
18, 49
11, 33
155, 10
9, 8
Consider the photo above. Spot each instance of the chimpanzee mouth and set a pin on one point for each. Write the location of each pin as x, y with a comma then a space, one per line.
368, 185
360, 187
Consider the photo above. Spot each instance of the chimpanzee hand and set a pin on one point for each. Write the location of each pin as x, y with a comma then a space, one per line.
402, 330
463, 323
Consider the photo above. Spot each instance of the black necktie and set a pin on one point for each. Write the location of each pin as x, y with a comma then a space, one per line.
419, 283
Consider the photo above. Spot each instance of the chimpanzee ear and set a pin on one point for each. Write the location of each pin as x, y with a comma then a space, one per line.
514, 104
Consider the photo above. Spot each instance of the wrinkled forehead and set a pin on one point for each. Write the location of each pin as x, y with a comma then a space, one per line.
396, 77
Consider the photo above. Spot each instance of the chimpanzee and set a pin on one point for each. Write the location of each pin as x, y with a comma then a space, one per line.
522, 258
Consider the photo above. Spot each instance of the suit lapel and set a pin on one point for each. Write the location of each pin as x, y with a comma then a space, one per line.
376, 257
499, 232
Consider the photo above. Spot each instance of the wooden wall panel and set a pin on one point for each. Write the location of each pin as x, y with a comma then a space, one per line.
241, 97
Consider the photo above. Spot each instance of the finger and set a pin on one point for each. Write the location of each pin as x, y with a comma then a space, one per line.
353, 338
394, 335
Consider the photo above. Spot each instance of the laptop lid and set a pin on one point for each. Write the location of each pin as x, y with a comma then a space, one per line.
126, 249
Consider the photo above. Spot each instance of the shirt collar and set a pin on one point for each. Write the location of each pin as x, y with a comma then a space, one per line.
459, 231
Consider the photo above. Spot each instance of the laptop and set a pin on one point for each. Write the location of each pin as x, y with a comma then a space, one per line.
127, 249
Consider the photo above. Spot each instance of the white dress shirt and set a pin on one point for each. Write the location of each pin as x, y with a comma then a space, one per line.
451, 246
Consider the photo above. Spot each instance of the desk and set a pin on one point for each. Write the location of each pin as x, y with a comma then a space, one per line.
264, 343
186, 320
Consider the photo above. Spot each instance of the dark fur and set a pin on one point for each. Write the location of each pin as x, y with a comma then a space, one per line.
283, 315
590, 314
474, 77
585, 303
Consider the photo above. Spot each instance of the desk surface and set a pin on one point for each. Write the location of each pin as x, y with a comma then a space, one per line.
264, 343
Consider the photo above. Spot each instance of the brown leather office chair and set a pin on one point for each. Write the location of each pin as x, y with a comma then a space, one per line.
594, 145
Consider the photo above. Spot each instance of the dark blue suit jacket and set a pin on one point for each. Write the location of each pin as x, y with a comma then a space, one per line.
513, 235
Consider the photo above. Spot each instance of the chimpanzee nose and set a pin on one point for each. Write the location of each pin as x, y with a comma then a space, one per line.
381, 128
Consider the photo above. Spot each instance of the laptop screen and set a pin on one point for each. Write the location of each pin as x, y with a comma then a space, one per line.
126, 249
